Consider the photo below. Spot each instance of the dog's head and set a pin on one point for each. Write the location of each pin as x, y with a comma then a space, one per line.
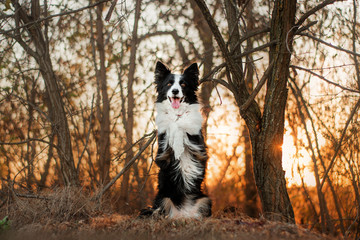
177, 88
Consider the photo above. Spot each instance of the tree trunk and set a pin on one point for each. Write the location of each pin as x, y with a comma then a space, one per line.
42, 57
207, 41
266, 131
129, 121
104, 140
251, 195
234, 35
30, 146
268, 139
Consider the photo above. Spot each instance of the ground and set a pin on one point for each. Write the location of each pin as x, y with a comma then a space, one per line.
114, 226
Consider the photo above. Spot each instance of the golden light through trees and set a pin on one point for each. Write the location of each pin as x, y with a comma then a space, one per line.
77, 101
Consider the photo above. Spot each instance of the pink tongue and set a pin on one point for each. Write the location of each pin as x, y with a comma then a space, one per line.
175, 103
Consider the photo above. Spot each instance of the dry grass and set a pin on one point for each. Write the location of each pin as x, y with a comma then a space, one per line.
69, 214
59, 205
129, 227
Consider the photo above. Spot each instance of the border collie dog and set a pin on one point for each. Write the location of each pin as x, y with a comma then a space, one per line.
181, 154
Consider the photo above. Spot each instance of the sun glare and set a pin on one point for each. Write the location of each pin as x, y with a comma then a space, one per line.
291, 164
224, 132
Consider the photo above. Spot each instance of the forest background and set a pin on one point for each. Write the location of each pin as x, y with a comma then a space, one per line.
77, 103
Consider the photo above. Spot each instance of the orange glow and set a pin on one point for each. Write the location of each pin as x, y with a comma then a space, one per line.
290, 163
224, 137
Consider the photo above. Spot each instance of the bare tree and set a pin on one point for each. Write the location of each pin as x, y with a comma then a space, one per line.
103, 111
129, 114
266, 130
266, 127
39, 50
208, 59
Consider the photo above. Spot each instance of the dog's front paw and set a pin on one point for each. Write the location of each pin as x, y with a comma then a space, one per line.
178, 149
176, 142
172, 131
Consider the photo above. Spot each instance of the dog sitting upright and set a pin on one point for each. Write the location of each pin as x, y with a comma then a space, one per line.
181, 155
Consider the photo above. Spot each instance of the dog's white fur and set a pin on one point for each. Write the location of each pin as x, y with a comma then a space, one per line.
176, 123
177, 86
190, 209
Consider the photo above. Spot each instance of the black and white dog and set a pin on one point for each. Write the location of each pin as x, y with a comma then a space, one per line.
182, 153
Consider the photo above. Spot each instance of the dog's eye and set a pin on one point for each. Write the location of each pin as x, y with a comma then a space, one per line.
183, 85
169, 84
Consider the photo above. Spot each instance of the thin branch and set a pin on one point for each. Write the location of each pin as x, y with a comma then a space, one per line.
236, 81
258, 87
314, 10
354, 45
29, 140
323, 207
332, 67
218, 68
297, 92
176, 38
266, 45
32, 196
32, 105
55, 15
127, 166
340, 142
5, 16
211, 73
220, 81
306, 27
151, 164
111, 9
88, 134
219, 39
153, 34
326, 80
329, 44
118, 156
252, 34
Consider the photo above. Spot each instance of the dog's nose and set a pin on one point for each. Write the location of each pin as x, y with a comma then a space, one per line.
175, 91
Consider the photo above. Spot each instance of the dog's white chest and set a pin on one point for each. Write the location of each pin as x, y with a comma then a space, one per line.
177, 123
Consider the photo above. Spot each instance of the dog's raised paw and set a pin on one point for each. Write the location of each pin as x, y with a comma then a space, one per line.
178, 145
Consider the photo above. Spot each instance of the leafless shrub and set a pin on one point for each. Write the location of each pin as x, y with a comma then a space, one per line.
59, 205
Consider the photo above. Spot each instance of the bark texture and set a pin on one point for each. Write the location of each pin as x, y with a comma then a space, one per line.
266, 129
129, 120
268, 139
104, 140
208, 63
55, 104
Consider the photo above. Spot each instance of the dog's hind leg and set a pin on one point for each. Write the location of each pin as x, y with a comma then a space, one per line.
161, 206
203, 206
146, 212
191, 208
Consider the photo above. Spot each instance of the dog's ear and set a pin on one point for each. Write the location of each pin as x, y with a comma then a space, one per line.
161, 72
192, 70
192, 73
